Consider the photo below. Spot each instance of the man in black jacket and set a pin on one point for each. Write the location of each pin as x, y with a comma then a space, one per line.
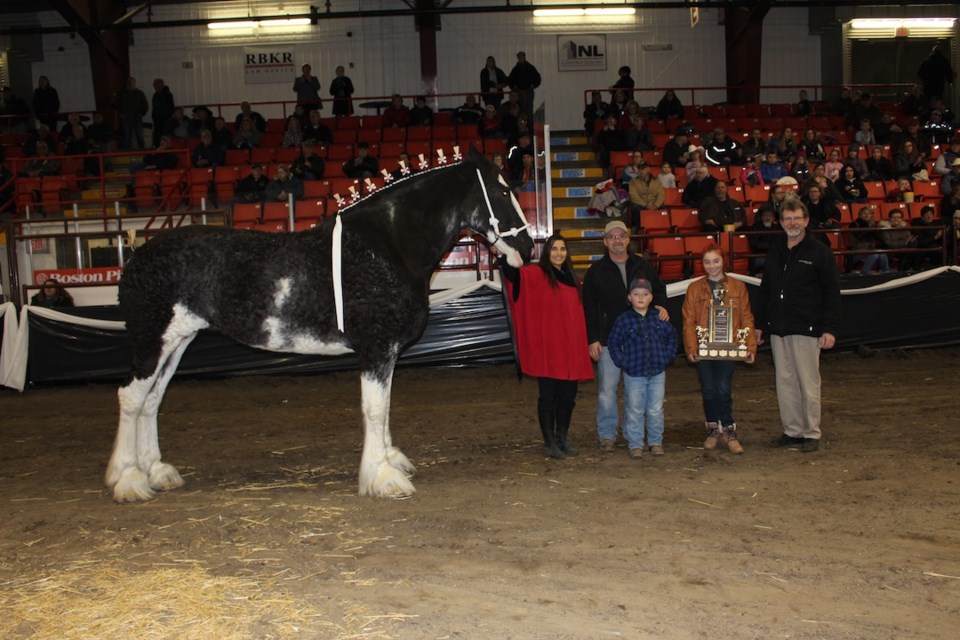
604, 299
799, 308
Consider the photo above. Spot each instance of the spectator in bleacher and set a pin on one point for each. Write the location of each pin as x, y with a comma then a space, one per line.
522, 129
421, 115
720, 212
864, 109
307, 88
935, 73
597, 110
937, 104
646, 194
283, 186
362, 165
772, 169
492, 83
221, 135
247, 112
888, 131
676, 151
897, 236
247, 135
950, 204
700, 186
159, 159
723, 150
864, 136
953, 235
524, 78
178, 126
833, 165
41, 164
920, 139
695, 159
630, 111
784, 145
14, 112
669, 106
851, 186
810, 147
938, 131
827, 188
525, 177
524, 145
510, 119
908, 162
929, 238
842, 105
618, 103
66, 131
201, 120
406, 167
397, 114
878, 166
632, 170
949, 180
52, 295
611, 138
489, 125
915, 103
341, 88
79, 145
799, 170
469, 112
768, 219
208, 153
756, 144
803, 105
293, 136
774, 201
252, 188
161, 109
316, 130
624, 83
101, 133
865, 240
948, 153
42, 134
903, 192
46, 103
308, 165
823, 214
853, 159
751, 176
668, 180
638, 136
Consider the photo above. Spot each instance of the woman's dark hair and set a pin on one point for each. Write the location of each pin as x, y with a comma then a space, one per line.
624, 69
547, 266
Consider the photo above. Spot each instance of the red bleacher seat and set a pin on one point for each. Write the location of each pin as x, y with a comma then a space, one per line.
261, 155
685, 220
275, 211
443, 118
276, 125
286, 155
416, 147
846, 212
348, 122
342, 186
667, 253
720, 173
271, 226
316, 188
695, 245
371, 122
370, 136
271, 140
245, 215
757, 194
201, 183
917, 207
875, 190
345, 136
224, 180
494, 145
741, 247
443, 132
420, 134
653, 221
340, 152
171, 188
236, 156
146, 186
886, 207
927, 190
311, 208
673, 197
393, 134
306, 223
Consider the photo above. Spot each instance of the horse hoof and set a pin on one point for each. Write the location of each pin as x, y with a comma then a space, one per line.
400, 462
133, 486
388, 483
165, 477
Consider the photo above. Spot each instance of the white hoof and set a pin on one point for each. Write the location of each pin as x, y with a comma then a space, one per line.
400, 462
164, 477
133, 486
387, 482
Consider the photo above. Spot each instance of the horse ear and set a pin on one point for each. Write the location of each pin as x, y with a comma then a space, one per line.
473, 154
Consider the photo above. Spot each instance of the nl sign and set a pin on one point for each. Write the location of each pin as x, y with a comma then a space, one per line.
582, 53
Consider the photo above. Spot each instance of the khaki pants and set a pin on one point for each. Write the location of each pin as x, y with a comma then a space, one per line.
797, 362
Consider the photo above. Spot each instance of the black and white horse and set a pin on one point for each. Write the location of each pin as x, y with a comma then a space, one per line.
277, 292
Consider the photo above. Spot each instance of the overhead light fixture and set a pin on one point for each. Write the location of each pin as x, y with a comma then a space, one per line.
282, 23
860, 24
589, 11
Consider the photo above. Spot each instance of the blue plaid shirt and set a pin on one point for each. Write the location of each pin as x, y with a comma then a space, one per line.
642, 345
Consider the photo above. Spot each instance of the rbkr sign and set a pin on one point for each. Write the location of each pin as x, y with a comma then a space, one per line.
263, 65
585, 52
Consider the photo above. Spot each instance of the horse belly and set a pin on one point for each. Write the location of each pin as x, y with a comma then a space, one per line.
280, 336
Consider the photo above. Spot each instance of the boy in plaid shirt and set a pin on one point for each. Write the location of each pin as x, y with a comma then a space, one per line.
643, 346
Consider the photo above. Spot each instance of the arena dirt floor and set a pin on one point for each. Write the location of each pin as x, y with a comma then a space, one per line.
268, 539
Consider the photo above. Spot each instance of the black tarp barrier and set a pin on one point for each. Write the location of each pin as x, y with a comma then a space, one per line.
919, 311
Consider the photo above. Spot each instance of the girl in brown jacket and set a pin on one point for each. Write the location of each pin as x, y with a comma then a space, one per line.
716, 376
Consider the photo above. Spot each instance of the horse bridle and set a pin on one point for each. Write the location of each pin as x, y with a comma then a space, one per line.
494, 223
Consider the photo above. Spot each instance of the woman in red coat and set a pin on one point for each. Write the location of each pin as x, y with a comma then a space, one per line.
551, 338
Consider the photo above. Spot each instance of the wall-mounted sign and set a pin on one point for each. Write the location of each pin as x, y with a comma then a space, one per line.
582, 52
266, 65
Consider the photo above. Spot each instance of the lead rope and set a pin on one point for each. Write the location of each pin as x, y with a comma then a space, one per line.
337, 272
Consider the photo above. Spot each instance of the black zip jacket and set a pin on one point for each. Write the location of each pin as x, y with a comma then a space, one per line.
800, 290
605, 295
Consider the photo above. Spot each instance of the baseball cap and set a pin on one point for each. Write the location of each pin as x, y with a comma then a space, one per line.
614, 225
641, 283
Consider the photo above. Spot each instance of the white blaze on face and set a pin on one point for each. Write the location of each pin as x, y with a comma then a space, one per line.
282, 292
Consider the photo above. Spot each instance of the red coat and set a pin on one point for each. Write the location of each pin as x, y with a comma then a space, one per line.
550, 328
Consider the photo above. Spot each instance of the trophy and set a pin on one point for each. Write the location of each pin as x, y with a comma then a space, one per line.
720, 339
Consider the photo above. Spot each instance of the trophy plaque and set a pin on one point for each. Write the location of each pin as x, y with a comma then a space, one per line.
720, 339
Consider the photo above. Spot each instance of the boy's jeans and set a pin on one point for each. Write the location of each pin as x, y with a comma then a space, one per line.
643, 397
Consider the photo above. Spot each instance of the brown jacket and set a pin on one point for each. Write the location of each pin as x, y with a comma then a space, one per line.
695, 312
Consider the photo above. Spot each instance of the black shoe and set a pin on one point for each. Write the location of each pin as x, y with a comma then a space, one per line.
810, 445
786, 441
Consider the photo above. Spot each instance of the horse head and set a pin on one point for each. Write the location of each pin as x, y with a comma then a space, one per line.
501, 219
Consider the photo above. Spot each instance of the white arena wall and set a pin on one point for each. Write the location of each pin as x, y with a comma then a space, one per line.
382, 55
